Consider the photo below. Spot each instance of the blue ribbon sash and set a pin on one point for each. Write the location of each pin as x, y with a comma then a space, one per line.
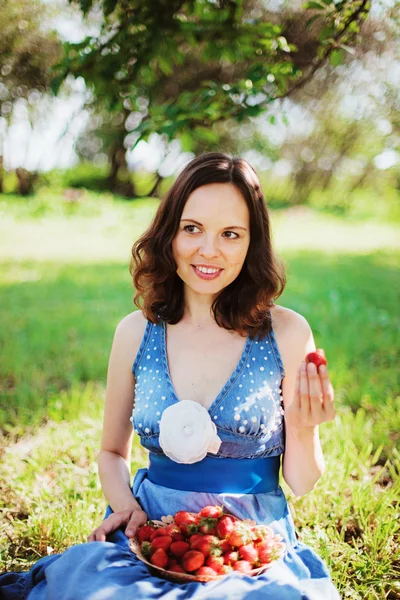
216, 475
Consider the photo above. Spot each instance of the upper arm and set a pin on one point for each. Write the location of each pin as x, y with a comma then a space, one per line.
120, 391
295, 340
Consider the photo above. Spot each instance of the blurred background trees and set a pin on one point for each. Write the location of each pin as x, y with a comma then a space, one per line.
308, 92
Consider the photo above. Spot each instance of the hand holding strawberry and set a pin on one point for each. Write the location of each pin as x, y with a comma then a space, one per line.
313, 396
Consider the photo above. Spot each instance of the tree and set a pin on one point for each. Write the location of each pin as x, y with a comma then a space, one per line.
181, 66
27, 53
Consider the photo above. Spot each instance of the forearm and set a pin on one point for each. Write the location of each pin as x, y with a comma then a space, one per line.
115, 481
303, 461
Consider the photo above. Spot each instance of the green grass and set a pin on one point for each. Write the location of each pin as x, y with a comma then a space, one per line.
64, 285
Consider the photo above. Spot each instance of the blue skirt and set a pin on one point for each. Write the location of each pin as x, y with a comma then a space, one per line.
110, 571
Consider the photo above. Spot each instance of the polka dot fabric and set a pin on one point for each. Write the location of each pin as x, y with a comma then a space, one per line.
248, 411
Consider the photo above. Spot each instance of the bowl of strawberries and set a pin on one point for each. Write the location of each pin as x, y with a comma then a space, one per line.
206, 545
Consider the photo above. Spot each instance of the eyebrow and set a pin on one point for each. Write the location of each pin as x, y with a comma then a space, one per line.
201, 224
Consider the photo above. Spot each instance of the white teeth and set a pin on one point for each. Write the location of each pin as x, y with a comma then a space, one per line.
204, 270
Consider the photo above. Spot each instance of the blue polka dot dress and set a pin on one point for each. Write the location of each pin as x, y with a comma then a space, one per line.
248, 415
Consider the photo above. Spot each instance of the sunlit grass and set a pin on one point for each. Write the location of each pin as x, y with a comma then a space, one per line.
64, 285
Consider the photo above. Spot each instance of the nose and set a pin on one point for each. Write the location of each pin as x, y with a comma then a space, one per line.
209, 247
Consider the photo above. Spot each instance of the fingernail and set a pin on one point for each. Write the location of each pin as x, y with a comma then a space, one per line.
303, 366
129, 532
322, 369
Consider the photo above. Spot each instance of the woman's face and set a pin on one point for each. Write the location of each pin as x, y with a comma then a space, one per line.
213, 235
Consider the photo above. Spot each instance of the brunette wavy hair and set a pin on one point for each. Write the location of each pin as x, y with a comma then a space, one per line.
244, 304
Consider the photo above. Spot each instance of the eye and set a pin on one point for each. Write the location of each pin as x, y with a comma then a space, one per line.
234, 233
189, 228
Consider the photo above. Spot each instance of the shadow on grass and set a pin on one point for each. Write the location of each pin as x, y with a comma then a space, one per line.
57, 324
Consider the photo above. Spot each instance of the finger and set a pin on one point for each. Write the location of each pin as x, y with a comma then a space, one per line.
113, 522
304, 396
327, 392
315, 392
137, 519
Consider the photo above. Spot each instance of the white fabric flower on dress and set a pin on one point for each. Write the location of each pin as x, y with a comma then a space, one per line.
187, 432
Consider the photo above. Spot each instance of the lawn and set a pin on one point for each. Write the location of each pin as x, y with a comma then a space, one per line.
65, 284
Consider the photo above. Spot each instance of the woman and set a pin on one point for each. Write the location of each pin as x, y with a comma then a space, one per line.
209, 332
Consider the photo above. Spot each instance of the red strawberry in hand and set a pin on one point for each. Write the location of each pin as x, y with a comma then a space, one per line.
317, 357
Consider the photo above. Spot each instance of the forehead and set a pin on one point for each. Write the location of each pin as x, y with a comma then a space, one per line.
217, 202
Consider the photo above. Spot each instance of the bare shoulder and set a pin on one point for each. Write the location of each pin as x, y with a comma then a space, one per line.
287, 322
293, 335
129, 332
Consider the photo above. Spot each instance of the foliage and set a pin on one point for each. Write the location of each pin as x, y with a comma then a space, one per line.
185, 65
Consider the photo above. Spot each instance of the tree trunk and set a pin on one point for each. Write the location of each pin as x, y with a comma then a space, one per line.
119, 179
26, 179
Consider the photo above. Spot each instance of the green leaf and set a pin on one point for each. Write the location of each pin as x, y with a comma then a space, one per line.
312, 20
314, 5
336, 57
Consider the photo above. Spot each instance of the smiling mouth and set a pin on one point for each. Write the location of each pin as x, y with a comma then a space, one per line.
207, 272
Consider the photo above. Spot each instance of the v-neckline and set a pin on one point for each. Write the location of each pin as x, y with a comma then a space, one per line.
228, 384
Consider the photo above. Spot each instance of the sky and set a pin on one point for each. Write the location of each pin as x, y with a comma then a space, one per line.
49, 142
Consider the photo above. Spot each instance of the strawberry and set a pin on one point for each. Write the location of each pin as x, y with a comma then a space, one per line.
194, 537
207, 525
225, 546
163, 541
240, 536
317, 357
146, 549
177, 537
144, 533
230, 558
158, 532
215, 562
214, 512
183, 517
179, 548
192, 560
243, 566
265, 551
159, 558
172, 529
261, 532
176, 569
172, 561
189, 528
206, 571
208, 545
224, 527
249, 553
225, 569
